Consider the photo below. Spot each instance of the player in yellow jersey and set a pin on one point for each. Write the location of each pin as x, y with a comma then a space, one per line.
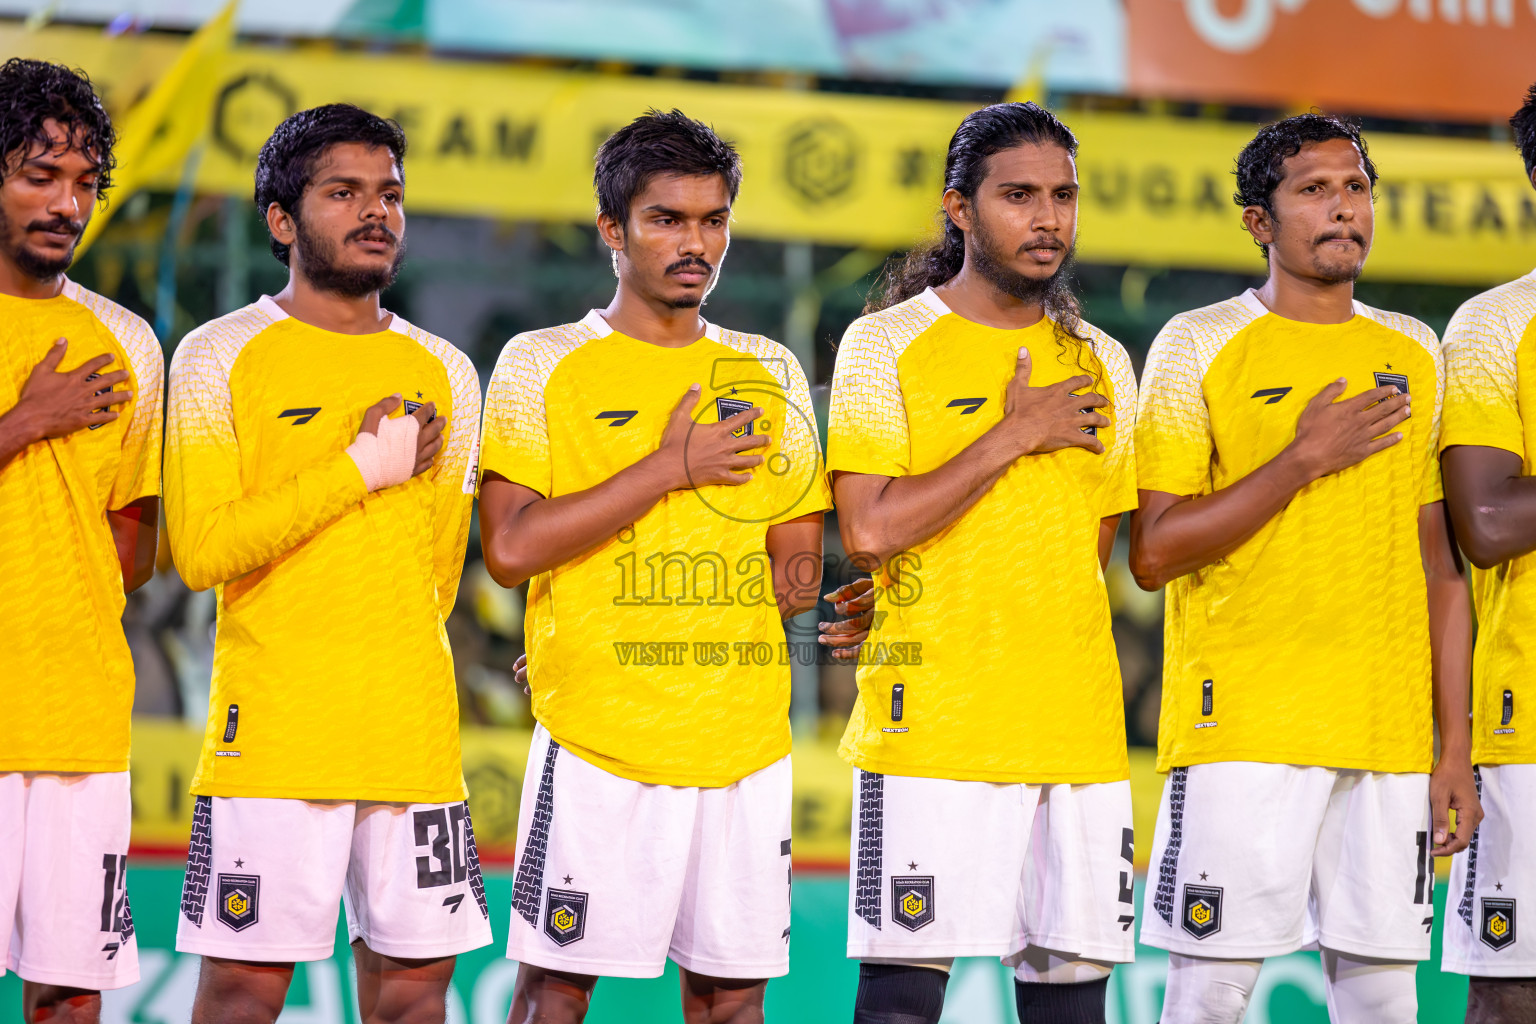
1318, 623
1488, 447
980, 445
658, 480
332, 525
80, 416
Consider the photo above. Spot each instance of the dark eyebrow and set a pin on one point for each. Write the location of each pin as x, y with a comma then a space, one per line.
1029, 186
42, 161
337, 179
679, 215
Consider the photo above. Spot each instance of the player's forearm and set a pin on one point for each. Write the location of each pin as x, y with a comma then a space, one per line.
1495, 521
215, 544
1172, 536
549, 532
794, 552
1450, 633
909, 510
17, 432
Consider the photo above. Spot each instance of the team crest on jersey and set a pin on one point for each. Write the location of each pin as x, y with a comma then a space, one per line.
1202, 910
725, 408
1498, 923
565, 916
239, 900
912, 901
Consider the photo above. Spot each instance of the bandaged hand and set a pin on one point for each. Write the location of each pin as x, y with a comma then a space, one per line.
385, 448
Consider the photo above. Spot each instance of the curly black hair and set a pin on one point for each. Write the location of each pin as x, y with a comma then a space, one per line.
33, 91
1261, 164
288, 159
657, 143
1524, 125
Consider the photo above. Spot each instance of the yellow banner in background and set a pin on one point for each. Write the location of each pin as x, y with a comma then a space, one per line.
516, 143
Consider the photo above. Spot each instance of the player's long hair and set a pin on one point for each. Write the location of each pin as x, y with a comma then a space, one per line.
31, 92
982, 134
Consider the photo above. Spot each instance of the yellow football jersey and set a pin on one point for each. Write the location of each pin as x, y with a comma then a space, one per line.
68, 673
1490, 378
659, 654
1309, 644
993, 660
332, 677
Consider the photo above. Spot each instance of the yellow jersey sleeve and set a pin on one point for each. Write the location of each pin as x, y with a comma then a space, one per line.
1173, 425
455, 471
217, 530
1117, 489
138, 468
1430, 488
1482, 393
515, 435
866, 421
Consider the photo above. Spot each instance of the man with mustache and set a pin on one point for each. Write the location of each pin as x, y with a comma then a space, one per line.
980, 444
658, 480
1487, 460
1318, 625
332, 524
80, 409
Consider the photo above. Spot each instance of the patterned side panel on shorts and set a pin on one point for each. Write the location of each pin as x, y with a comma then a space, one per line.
1464, 908
866, 900
472, 855
1167, 871
528, 889
194, 891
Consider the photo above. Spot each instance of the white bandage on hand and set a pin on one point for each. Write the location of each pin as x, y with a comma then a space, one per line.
388, 457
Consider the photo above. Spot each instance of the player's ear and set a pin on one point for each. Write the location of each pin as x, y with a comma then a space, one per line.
1259, 224
958, 210
611, 232
280, 223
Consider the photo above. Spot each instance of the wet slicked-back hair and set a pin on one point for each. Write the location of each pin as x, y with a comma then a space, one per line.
656, 143
31, 92
1261, 164
983, 134
1524, 125
288, 159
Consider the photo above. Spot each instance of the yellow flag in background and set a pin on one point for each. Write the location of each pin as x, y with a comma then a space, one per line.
159, 132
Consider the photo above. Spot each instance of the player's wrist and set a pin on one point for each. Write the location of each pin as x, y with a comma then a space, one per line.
1297, 468
23, 424
665, 471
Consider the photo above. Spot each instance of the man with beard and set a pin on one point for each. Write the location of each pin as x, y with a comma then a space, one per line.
1488, 457
79, 482
334, 532
658, 480
980, 445
1318, 623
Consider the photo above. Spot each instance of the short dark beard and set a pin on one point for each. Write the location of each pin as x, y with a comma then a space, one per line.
321, 266
31, 263
985, 258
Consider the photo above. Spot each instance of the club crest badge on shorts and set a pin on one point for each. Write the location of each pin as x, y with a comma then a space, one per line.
1498, 923
565, 916
912, 901
1202, 910
239, 900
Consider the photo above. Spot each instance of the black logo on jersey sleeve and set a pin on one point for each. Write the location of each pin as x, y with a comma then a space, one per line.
912, 901
617, 417
1498, 923
725, 408
301, 416
1202, 910
1400, 380
565, 916
239, 900
966, 405
1271, 395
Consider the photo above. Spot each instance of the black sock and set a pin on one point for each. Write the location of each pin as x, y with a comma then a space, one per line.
1045, 1003
899, 994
